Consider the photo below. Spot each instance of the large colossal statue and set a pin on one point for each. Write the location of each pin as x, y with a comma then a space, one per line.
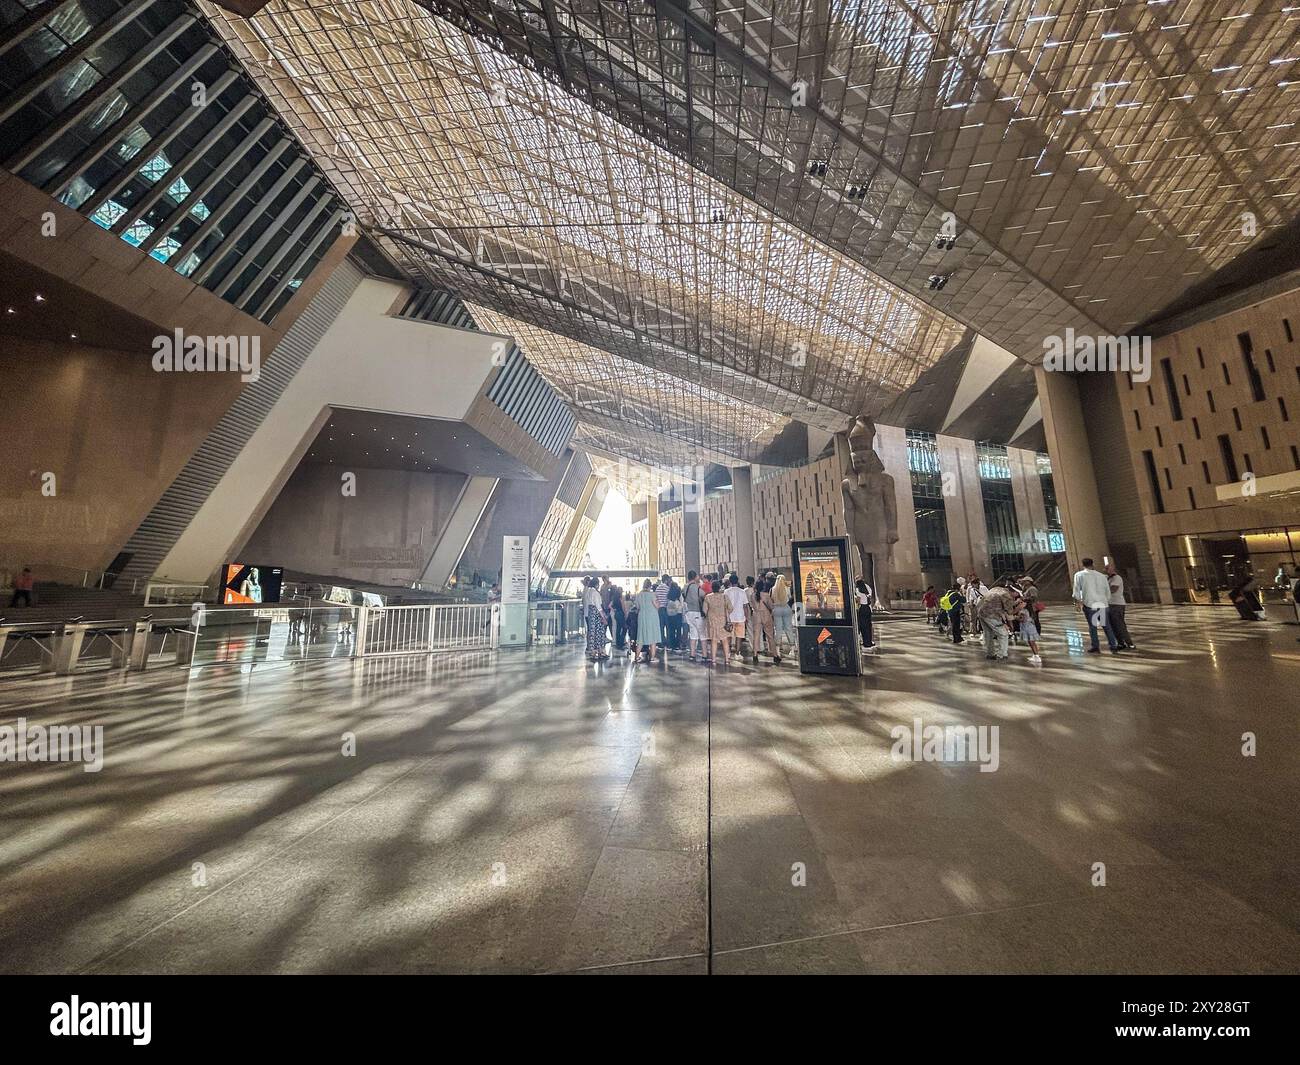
870, 510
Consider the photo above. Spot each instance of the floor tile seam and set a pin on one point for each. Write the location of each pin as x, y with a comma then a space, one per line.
864, 929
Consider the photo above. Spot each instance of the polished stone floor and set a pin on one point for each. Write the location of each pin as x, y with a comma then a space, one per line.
528, 811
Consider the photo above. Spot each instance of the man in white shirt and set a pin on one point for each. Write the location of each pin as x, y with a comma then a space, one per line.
1116, 609
1092, 592
737, 609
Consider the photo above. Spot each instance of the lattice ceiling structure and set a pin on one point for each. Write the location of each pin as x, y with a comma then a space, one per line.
633, 412
695, 187
640, 287
635, 481
1096, 159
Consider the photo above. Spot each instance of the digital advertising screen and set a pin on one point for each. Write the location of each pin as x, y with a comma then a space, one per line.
828, 636
247, 585
821, 580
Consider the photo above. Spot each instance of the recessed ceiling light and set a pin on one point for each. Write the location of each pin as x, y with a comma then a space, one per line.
40, 298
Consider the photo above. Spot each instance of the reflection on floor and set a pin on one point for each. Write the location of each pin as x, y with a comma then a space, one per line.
530, 811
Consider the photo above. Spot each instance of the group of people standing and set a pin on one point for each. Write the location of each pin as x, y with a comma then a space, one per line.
1010, 609
714, 618
1100, 597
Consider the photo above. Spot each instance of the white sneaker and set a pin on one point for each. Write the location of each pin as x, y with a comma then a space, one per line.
1035, 660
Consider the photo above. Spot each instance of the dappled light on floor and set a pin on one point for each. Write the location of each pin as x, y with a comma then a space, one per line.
530, 811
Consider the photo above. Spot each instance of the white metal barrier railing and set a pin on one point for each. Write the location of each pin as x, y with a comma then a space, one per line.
413, 630
174, 593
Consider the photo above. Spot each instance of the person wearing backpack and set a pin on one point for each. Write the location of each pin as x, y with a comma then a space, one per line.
955, 609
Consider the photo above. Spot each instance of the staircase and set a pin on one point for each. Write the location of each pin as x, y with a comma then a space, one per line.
172, 514
59, 602
1052, 578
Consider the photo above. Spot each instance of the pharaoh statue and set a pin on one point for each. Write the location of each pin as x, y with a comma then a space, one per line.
870, 510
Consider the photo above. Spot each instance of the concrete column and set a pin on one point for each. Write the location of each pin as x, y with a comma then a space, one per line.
652, 532
968, 537
742, 491
1034, 496
457, 530
842, 454
692, 501
1072, 467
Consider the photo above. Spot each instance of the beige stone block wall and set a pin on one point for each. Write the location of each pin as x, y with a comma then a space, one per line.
1214, 392
798, 504
672, 547
718, 531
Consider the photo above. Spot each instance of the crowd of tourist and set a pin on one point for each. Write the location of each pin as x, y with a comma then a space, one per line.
1010, 610
715, 618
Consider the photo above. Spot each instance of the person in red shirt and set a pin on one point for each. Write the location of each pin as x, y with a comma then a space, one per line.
23, 588
931, 603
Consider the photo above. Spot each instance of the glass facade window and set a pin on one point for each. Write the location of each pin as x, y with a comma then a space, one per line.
927, 503
1006, 554
99, 109
1202, 568
1055, 530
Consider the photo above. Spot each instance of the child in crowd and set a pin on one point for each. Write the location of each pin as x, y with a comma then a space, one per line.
931, 603
1028, 630
632, 612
